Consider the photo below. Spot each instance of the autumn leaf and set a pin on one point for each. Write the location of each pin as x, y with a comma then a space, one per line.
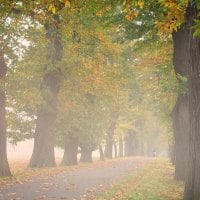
141, 4
67, 4
52, 8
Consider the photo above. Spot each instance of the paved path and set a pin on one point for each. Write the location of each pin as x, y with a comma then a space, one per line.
81, 184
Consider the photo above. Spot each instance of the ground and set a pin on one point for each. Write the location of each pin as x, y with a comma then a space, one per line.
153, 181
84, 182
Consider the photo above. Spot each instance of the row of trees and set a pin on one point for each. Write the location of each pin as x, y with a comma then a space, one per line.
181, 19
85, 84
70, 77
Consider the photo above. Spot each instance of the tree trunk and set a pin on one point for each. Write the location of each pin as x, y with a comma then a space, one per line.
121, 147
4, 167
192, 191
132, 144
115, 148
109, 146
180, 51
172, 153
86, 155
181, 136
180, 114
43, 152
101, 153
128, 143
110, 134
71, 150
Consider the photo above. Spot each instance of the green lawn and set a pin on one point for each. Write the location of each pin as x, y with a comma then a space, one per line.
151, 182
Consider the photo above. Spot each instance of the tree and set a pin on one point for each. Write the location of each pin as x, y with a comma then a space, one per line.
87, 89
4, 167
174, 18
43, 152
192, 184
9, 52
110, 134
181, 126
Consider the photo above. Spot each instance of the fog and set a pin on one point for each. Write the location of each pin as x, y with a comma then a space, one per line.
23, 151
93, 92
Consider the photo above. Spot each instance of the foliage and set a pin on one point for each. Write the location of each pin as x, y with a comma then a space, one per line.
113, 53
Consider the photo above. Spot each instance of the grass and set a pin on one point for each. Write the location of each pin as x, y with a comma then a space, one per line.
154, 181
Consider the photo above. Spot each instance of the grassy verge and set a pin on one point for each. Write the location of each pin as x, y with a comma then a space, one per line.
151, 182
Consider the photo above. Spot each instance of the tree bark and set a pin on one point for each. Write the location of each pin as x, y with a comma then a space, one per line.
86, 155
109, 146
172, 153
180, 50
101, 153
110, 134
192, 191
70, 152
121, 147
129, 147
4, 166
115, 149
43, 152
180, 114
181, 136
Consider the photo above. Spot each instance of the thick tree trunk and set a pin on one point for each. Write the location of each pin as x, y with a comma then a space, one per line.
192, 191
181, 136
110, 134
180, 52
101, 153
121, 147
4, 167
86, 155
71, 150
43, 152
180, 114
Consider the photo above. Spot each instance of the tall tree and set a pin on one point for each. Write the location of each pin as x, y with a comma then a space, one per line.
4, 167
180, 114
192, 191
10, 49
43, 152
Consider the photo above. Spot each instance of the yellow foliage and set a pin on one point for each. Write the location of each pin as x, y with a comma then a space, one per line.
140, 4
174, 18
67, 3
52, 8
